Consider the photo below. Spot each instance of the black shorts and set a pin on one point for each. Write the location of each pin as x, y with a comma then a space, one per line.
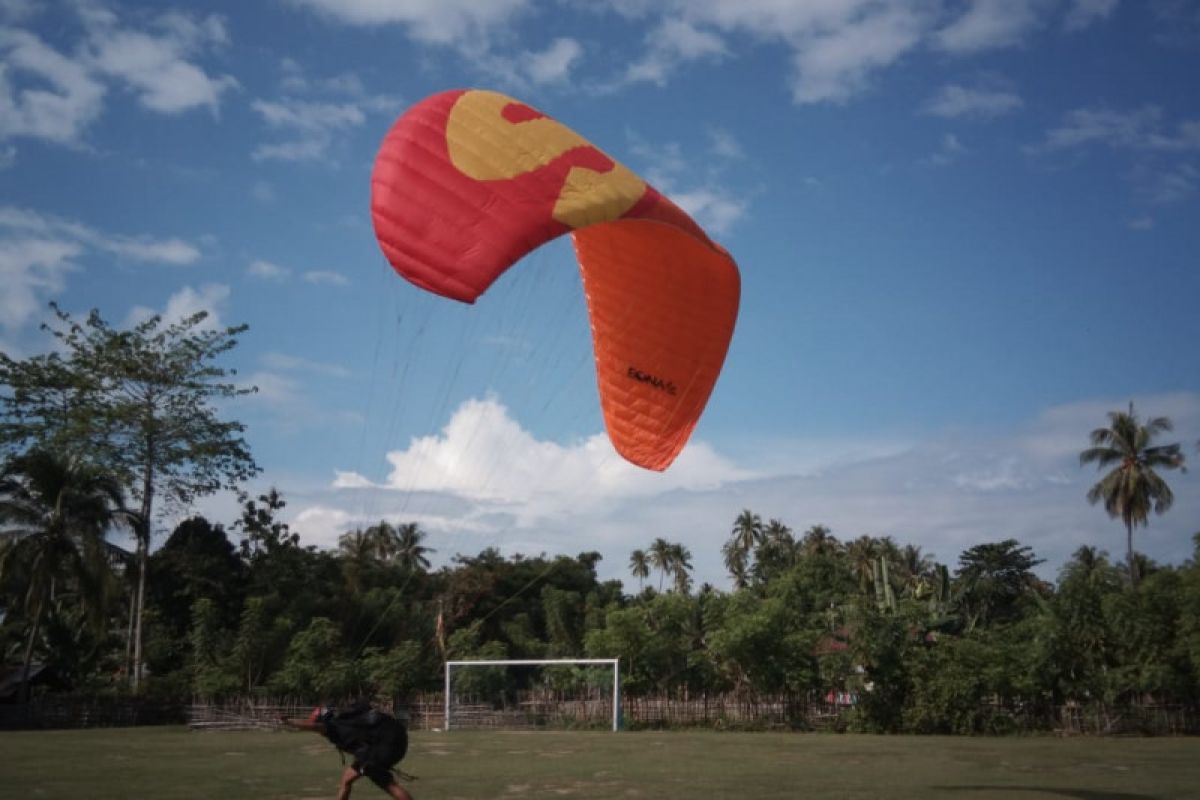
380, 776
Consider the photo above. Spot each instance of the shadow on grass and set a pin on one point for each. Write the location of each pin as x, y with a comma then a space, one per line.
1074, 794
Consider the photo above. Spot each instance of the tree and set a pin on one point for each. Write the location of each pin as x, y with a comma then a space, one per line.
55, 510
639, 566
681, 567
408, 551
1133, 487
992, 580
661, 558
141, 402
747, 533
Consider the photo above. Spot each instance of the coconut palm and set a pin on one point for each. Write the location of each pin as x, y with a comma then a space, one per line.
1132, 488
735, 562
746, 535
357, 549
681, 567
776, 553
819, 541
661, 558
407, 550
55, 510
639, 566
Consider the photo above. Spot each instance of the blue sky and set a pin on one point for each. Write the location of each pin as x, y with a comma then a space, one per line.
966, 231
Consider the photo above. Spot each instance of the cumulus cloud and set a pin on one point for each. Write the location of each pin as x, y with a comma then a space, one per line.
309, 127
157, 63
990, 24
38, 251
313, 112
554, 64
673, 43
484, 480
212, 297
432, 21
483, 454
55, 95
953, 101
61, 98
31, 269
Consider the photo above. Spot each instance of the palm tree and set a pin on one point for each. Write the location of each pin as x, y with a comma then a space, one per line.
358, 551
408, 551
735, 562
681, 565
661, 558
1132, 488
55, 510
819, 541
746, 535
383, 540
639, 566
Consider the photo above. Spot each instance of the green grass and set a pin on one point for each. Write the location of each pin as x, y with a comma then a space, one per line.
169, 763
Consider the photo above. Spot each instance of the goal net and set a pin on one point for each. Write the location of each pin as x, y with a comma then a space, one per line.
533, 693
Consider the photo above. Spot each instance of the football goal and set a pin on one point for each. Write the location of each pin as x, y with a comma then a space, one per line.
533, 692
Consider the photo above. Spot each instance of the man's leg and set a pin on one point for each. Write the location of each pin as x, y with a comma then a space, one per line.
349, 776
398, 792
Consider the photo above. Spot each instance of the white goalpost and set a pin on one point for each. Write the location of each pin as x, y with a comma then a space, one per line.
541, 662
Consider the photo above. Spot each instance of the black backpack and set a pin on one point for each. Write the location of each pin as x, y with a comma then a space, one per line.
373, 737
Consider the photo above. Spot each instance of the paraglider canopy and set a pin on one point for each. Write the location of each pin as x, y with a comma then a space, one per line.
469, 181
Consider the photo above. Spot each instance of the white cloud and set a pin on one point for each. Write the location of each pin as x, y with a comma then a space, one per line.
326, 277
38, 251
135, 248
157, 64
1083, 13
46, 94
267, 271
724, 144
63, 99
953, 100
31, 270
310, 125
697, 191
187, 301
554, 64
1139, 129
486, 481
1161, 173
835, 64
286, 363
950, 151
716, 209
990, 24
432, 21
673, 43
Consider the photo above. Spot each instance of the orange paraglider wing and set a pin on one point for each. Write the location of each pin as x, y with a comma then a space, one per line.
468, 182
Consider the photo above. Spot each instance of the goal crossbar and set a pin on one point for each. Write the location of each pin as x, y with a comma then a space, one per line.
615, 663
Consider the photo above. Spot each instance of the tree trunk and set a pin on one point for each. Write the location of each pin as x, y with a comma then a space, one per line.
141, 599
129, 633
27, 660
143, 553
1133, 577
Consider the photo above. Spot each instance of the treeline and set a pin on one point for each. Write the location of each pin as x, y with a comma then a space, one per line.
919, 646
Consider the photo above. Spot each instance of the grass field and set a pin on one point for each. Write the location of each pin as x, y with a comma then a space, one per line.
169, 763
